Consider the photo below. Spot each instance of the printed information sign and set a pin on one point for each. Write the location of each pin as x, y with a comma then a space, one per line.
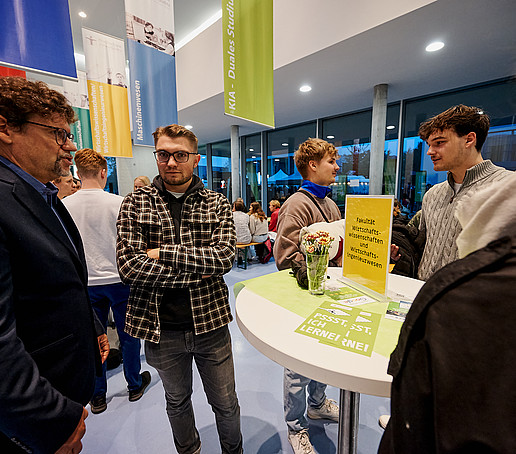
367, 242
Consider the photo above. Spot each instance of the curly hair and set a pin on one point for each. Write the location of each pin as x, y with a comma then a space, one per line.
89, 162
174, 131
20, 98
256, 210
461, 119
312, 150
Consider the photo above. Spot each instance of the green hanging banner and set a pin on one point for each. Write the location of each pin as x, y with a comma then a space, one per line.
81, 129
247, 31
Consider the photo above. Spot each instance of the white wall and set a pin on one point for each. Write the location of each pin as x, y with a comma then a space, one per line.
142, 163
301, 27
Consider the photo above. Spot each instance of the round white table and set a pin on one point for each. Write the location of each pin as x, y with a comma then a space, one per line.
270, 328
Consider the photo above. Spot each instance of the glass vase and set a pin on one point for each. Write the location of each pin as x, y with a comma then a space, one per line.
316, 266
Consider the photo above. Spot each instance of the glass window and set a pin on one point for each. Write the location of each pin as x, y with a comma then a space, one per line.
112, 179
497, 100
202, 169
221, 167
283, 179
351, 135
253, 170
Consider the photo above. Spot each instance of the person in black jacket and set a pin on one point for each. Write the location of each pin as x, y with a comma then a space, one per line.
48, 333
453, 388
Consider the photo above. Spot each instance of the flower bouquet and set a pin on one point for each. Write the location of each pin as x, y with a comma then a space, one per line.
317, 246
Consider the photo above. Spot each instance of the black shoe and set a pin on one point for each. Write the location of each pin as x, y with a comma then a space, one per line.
138, 393
98, 404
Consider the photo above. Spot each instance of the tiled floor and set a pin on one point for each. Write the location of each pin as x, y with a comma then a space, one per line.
142, 427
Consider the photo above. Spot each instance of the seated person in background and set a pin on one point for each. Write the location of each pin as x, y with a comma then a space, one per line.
274, 206
240, 199
259, 227
140, 182
397, 216
241, 219
453, 368
258, 223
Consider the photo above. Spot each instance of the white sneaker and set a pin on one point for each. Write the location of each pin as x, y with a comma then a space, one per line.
300, 442
329, 410
384, 420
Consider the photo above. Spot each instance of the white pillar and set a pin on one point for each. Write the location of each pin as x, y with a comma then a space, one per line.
235, 163
378, 139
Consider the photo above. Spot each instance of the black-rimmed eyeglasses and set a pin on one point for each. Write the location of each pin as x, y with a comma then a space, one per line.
179, 156
61, 134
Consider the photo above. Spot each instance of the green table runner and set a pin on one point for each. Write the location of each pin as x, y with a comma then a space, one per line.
281, 288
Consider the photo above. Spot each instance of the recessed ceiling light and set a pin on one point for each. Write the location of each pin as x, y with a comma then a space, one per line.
251, 149
82, 14
305, 88
284, 144
277, 159
254, 157
188, 126
391, 127
436, 45
330, 137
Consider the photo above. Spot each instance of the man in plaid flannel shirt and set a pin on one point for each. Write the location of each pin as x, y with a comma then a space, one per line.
176, 240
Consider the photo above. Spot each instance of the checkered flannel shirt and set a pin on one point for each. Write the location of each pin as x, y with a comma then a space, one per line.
206, 247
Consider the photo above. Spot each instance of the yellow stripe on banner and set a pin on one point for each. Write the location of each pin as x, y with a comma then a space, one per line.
109, 114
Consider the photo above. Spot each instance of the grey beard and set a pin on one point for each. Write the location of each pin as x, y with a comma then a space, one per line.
59, 170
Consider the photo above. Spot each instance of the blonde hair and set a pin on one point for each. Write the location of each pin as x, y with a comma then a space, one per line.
275, 203
144, 179
312, 150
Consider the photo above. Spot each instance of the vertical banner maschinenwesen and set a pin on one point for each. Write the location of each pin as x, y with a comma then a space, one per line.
248, 60
150, 41
107, 91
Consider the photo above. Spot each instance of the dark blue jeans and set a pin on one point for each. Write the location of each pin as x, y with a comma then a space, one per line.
115, 296
212, 352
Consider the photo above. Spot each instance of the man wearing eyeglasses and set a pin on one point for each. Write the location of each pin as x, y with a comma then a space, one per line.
48, 332
176, 240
